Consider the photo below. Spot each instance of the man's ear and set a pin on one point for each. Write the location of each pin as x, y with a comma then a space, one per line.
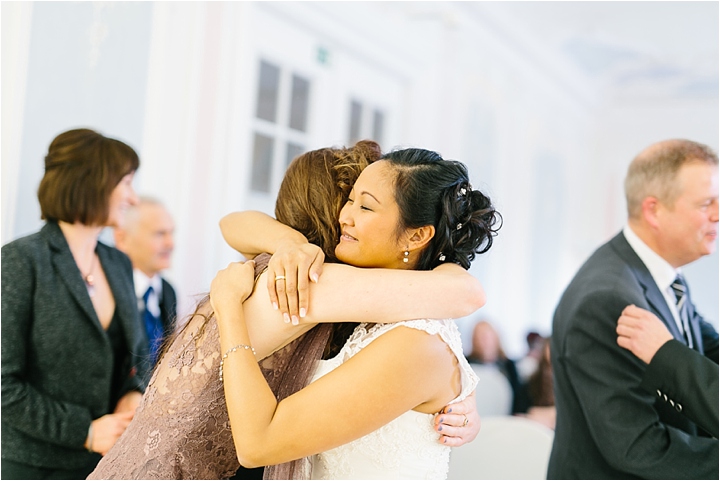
420, 237
649, 211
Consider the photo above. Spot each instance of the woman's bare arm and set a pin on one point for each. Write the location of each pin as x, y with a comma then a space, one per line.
357, 398
346, 293
251, 233
448, 291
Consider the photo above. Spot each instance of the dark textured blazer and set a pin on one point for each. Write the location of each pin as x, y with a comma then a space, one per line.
608, 426
683, 377
57, 361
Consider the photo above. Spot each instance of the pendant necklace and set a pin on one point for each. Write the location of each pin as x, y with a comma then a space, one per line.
89, 279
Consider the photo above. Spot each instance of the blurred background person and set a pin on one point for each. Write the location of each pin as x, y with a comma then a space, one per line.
71, 339
540, 390
487, 350
528, 364
146, 236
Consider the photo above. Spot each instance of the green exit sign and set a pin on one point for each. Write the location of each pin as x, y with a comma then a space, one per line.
323, 55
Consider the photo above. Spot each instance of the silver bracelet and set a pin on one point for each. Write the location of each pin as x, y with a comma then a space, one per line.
233, 349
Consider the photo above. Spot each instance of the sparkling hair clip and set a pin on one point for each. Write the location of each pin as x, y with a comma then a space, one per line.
464, 190
442, 257
459, 226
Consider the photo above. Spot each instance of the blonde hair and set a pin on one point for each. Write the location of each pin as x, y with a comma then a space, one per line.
653, 172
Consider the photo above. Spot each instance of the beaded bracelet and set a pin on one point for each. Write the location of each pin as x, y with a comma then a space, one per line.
233, 349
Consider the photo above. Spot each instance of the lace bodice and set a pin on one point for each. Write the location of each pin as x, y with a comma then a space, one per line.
407, 447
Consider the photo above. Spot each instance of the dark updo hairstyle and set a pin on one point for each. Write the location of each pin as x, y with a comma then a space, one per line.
82, 168
432, 191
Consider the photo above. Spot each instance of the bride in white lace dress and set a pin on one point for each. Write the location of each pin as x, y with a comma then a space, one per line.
377, 397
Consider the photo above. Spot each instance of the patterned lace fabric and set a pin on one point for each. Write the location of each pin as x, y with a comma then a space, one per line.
181, 429
407, 447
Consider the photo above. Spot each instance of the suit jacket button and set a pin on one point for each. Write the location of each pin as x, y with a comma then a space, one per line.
672, 403
665, 397
659, 393
678, 407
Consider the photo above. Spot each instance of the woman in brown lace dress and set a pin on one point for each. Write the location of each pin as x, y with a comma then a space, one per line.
181, 429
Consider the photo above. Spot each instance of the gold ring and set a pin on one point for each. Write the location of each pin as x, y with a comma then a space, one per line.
466, 421
279, 278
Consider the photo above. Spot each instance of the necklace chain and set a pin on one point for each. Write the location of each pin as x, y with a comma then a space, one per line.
89, 278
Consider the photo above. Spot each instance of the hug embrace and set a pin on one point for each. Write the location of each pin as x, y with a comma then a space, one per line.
321, 395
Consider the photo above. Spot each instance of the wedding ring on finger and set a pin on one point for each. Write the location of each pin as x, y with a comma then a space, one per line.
279, 278
465, 423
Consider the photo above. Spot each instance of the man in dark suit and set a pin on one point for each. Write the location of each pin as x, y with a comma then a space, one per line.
147, 238
608, 426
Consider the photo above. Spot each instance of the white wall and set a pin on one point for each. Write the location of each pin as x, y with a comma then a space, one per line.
83, 64
177, 81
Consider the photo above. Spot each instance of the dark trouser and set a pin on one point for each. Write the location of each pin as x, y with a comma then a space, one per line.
16, 470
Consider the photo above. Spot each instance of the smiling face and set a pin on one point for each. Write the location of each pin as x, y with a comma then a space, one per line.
369, 222
122, 197
688, 228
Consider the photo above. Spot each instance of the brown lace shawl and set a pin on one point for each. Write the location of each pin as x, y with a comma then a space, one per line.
181, 429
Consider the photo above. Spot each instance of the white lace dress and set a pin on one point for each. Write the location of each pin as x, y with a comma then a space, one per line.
407, 447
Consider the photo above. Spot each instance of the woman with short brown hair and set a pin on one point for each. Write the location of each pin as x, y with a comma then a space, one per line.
72, 343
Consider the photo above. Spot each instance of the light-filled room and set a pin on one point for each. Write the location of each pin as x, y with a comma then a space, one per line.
201, 278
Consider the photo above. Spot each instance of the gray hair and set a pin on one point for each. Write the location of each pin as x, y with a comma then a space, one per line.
132, 214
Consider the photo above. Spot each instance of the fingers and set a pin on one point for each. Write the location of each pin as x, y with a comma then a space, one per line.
624, 329
446, 421
462, 407
303, 292
455, 429
451, 441
289, 288
624, 342
232, 285
272, 291
291, 294
316, 267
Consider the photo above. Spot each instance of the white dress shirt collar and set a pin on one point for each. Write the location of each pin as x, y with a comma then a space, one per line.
661, 271
142, 282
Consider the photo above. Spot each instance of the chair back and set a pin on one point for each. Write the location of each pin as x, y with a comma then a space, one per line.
507, 447
493, 394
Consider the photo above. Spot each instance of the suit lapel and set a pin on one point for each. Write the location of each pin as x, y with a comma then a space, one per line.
654, 297
694, 325
67, 270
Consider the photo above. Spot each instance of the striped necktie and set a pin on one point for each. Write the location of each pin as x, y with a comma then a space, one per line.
680, 290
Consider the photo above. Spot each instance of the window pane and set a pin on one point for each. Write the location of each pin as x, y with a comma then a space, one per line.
355, 118
299, 103
378, 126
262, 163
293, 150
268, 91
